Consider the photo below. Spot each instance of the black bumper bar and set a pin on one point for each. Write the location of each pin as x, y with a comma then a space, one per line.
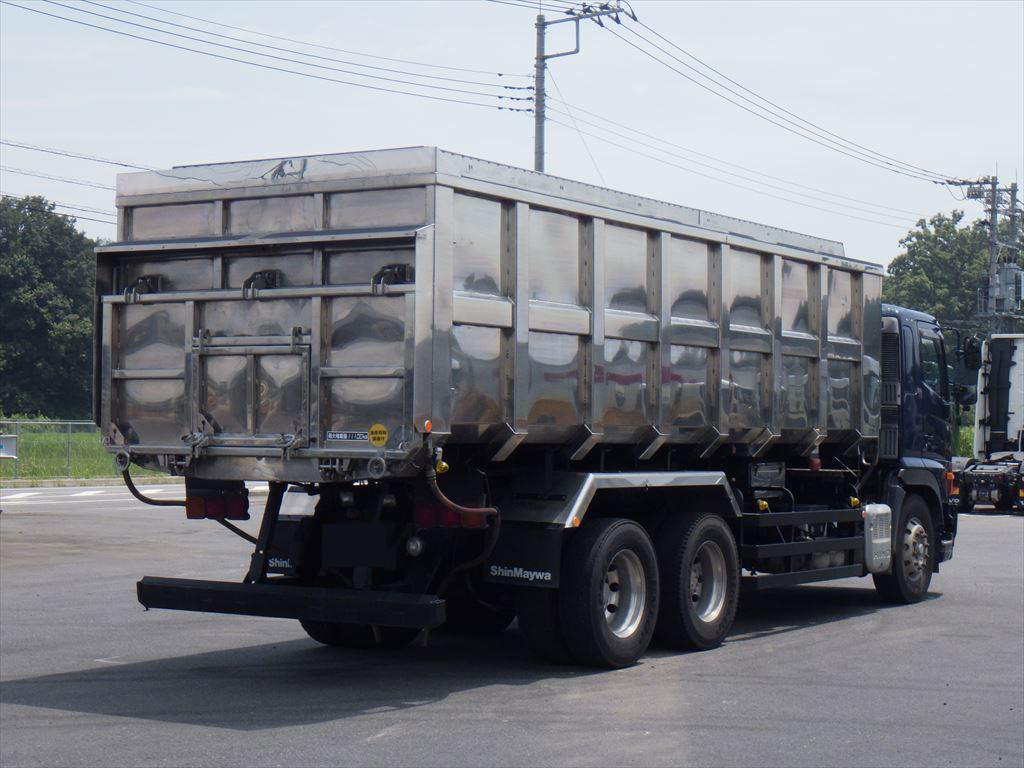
288, 601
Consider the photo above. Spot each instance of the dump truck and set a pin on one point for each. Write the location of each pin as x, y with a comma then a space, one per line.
479, 393
995, 473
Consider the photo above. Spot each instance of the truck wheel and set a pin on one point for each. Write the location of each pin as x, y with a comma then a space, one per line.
609, 594
913, 555
541, 625
700, 582
359, 635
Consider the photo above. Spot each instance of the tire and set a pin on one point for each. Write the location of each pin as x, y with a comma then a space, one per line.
465, 615
359, 635
541, 624
609, 593
700, 582
913, 555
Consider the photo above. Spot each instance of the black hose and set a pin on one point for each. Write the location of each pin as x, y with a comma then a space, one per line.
492, 541
237, 531
146, 499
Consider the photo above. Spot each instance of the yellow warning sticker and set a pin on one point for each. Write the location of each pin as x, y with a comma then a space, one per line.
378, 435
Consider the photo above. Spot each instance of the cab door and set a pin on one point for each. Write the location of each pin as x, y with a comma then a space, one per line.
934, 404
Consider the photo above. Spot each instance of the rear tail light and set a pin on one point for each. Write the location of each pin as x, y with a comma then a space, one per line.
439, 516
216, 506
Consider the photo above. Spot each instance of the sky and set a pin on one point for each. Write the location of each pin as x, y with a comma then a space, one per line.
937, 85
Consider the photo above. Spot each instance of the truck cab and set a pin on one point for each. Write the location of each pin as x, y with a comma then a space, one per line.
995, 473
920, 404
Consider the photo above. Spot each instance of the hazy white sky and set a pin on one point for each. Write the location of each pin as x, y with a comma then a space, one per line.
939, 85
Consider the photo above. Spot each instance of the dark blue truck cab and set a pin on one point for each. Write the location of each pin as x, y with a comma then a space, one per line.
920, 402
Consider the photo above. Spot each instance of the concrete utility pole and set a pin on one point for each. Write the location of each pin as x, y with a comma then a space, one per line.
585, 12
993, 246
1003, 280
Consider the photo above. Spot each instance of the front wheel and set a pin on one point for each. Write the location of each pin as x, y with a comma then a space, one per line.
608, 600
913, 558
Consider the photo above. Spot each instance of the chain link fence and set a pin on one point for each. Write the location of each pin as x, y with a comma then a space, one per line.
49, 450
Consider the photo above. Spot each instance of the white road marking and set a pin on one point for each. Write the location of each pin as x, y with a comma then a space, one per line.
85, 493
23, 495
110, 660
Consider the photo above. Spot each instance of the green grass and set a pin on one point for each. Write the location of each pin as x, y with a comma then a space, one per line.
964, 442
43, 453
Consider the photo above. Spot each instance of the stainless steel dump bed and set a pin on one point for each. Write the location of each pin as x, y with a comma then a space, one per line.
289, 319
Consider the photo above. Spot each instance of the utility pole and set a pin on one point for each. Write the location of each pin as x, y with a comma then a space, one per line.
584, 12
1004, 280
993, 246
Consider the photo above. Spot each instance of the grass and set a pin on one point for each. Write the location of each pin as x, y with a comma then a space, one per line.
43, 453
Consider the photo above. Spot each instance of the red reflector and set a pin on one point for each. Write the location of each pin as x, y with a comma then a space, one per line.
236, 508
448, 518
214, 507
474, 521
195, 508
424, 516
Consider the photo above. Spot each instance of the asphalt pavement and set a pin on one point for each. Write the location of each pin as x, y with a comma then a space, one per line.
815, 675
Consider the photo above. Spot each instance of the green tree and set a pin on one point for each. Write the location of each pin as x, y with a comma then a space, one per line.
47, 276
942, 268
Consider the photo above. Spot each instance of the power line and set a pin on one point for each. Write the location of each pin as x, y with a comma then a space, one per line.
79, 182
60, 203
58, 213
449, 89
741, 176
802, 133
270, 67
66, 153
310, 55
786, 111
720, 160
583, 141
723, 181
322, 47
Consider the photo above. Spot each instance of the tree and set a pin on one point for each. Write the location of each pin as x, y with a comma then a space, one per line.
942, 269
47, 275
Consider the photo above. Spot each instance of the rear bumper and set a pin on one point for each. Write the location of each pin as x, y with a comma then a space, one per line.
288, 601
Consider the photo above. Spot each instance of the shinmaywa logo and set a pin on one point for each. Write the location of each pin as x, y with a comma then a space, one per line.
517, 572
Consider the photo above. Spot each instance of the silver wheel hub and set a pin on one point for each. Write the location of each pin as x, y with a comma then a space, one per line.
916, 550
624, 593
707, 582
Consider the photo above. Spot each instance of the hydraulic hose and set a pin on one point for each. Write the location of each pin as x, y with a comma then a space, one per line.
492, 540
146, 499
178, 503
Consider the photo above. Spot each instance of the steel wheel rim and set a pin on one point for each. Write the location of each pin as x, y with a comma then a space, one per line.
916, 550
624, 593
707, 582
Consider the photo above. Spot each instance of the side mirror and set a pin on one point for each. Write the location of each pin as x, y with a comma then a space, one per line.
971, 353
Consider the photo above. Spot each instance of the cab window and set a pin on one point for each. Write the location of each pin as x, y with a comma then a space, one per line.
933, 363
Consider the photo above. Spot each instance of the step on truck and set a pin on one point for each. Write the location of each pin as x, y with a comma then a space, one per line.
480, 393
995, 473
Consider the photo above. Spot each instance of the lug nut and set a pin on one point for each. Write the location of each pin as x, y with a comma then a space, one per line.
414, 546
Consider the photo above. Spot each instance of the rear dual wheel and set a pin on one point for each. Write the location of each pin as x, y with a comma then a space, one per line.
359, 635
605, 610
700, 582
